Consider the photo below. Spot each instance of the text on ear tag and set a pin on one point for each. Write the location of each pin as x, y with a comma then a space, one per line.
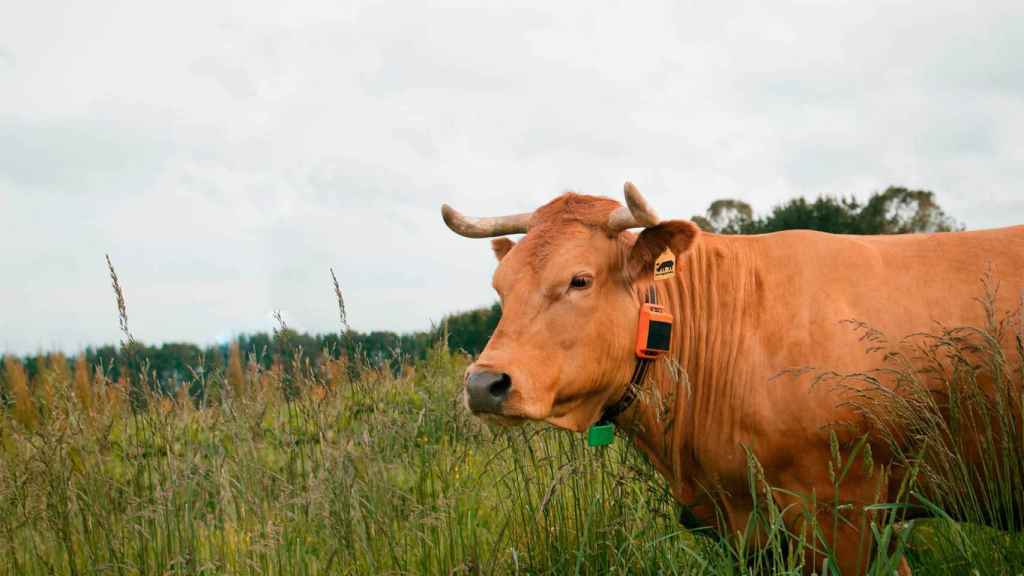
665, 265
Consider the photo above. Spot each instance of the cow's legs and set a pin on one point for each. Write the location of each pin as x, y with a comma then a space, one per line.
852, 550
846, 534
850, 545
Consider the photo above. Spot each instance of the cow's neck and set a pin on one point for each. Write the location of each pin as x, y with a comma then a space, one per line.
693, 393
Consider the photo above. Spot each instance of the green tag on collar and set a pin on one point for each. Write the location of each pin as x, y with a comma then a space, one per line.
600, 434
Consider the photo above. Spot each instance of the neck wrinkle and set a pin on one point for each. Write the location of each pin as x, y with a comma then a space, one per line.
692, 388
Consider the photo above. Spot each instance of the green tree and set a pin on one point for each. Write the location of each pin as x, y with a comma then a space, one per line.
825, 214
894, 211
726, 216
470, 331
901, 211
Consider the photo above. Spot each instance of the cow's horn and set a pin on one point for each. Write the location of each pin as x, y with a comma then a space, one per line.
635, 214
484, 227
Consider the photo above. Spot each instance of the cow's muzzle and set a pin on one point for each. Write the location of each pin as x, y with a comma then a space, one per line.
486, 391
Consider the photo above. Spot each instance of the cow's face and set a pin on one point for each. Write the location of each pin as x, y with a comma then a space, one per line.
563, 349
566, 317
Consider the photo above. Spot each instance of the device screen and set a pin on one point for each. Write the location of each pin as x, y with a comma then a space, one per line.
659, 335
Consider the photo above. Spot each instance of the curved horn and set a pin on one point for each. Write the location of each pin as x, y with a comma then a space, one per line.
637, 213
484, 227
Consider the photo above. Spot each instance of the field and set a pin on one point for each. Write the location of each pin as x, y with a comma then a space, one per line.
327, 465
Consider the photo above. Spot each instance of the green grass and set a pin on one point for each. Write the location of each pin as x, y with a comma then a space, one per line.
379, 474
320, 467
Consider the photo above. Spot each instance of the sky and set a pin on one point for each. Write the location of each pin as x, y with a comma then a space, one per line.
227, 155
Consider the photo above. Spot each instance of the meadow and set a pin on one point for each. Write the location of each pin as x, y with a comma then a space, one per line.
330, 464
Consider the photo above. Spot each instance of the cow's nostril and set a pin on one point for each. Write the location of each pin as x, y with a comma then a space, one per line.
485, 391
500, 387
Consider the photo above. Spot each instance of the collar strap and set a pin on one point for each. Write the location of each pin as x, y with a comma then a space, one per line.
613, 411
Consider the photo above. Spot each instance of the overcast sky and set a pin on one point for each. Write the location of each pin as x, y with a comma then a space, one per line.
227, 155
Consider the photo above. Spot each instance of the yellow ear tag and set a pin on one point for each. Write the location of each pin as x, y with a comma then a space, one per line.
665, 265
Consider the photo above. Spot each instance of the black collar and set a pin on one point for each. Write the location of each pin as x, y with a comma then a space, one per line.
615, 410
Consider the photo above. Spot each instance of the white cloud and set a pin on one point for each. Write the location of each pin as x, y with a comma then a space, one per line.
227, 156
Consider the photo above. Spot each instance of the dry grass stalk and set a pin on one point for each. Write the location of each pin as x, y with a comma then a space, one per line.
281, 326
57, 364
42, 384
122, 308
342, 314
317, 392
183, 400
236, 376
166, 406
25, 412
117, 395
81, 386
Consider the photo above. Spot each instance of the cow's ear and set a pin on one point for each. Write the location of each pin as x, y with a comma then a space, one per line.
679, 235
501, 246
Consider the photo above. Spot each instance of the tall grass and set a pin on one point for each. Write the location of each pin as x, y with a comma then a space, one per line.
381, 474
954, 426
333, 465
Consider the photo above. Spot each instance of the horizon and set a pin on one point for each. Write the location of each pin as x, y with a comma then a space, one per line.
226, 174
275, 326
270, 330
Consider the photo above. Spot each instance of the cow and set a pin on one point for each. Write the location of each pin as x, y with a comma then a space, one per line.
750, 312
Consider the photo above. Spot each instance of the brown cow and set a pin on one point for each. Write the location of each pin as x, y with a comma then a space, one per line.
748, 309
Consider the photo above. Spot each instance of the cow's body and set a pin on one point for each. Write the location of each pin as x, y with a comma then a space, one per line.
757, 318
760, 317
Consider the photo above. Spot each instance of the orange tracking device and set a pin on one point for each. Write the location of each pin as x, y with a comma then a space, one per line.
653, 332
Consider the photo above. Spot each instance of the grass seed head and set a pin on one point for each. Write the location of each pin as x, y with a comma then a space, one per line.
25, 412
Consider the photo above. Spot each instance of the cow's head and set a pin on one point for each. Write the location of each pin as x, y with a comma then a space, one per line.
569, 289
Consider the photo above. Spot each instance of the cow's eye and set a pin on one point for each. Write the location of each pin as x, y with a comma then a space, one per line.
581, 281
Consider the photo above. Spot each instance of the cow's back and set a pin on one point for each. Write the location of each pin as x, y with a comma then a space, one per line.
898, 285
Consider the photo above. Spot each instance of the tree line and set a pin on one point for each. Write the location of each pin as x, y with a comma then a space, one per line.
172, 365
894, 211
